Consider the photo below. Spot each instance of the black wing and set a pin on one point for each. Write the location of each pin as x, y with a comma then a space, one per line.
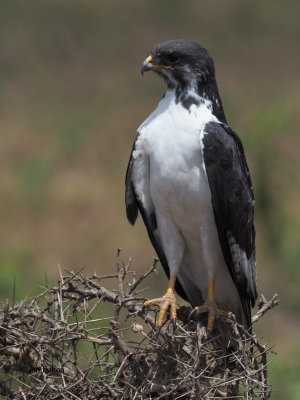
233, 205
143, 203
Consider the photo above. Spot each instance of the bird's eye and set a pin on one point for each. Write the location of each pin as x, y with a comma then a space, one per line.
173, 58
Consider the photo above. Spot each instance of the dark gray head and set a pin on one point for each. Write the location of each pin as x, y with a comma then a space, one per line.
182, 63
186, 65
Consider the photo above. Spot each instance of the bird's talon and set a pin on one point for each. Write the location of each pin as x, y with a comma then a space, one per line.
232, 317
158, 330
210, 307
164, 303
173, 321
192, 313
209, 335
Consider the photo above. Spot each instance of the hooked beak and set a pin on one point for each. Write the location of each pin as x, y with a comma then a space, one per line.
147, 65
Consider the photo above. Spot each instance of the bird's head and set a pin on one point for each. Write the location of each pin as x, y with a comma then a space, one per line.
182, 63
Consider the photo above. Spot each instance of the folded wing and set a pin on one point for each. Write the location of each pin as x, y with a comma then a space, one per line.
233, 205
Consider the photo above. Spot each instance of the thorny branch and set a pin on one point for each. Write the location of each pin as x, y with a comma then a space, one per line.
264, 306
79, 340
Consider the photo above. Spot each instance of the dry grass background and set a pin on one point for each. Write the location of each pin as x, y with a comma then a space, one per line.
71, 99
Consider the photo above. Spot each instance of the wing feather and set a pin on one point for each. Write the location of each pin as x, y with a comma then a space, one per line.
233, 205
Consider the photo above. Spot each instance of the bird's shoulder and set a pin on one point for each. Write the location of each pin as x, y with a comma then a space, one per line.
223, 148
217, 138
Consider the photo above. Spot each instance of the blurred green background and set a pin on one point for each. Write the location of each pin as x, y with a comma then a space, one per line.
71, 99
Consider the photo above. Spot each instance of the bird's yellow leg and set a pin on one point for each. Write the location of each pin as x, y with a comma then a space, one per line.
211, 308
168, 300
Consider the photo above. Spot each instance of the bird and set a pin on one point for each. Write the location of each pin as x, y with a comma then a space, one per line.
188, 177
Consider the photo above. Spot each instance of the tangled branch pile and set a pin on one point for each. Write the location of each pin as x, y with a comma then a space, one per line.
79, 340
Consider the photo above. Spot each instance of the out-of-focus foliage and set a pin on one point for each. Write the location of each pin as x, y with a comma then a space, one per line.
71, 100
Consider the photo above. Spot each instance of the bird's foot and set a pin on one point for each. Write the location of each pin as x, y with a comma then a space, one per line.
211, 308
168, 300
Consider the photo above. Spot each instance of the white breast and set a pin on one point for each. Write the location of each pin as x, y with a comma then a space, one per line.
172, 140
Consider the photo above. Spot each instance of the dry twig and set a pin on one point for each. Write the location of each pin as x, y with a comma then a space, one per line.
73, 342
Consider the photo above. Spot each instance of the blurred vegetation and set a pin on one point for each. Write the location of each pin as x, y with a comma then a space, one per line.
71, 100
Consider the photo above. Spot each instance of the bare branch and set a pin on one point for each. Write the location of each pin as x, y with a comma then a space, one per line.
264, 306
66, 344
